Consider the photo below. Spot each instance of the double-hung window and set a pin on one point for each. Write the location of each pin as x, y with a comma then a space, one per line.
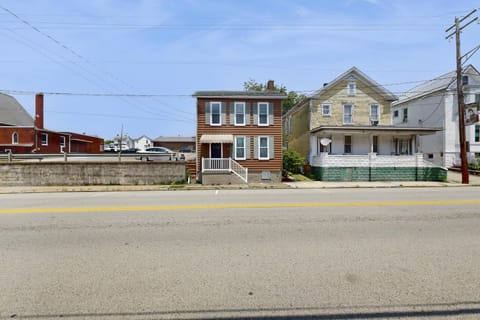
374, 111
263, 148
240, 152
215, 113
62, 141
326, 110
477, 133
44, 139
352, 88
347, 113
263, 113
239, 113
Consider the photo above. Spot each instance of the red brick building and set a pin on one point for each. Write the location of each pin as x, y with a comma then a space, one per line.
20, 133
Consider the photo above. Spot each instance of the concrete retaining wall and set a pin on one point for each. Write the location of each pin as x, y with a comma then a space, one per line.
91, 173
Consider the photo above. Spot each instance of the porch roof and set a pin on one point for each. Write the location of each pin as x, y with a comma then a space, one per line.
390, 130
216, 138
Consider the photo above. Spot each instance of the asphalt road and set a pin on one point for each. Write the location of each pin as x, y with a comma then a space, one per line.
334, 254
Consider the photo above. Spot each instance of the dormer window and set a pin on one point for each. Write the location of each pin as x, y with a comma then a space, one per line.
465, 80
352, 88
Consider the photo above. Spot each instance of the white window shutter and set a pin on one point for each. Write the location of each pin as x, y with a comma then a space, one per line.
255, 113
207, 112
271, 147
247, 113
255, 147
224, 113
247, 148
270, 113
232, 113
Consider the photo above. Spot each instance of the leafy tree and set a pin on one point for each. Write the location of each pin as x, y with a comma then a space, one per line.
293, 161
291, 99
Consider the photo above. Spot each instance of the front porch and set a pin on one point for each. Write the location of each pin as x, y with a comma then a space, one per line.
223, 171
373, 167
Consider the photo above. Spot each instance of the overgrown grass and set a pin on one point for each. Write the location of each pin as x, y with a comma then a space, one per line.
299, 177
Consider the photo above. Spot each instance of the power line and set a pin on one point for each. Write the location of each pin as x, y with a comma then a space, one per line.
118, 116
92, 94
92, 65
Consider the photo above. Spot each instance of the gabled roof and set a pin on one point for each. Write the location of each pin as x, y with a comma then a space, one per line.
441, 83
12, 113
352, 73
142, 136
355, 73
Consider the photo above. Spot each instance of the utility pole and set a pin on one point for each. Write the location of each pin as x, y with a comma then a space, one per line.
460, 97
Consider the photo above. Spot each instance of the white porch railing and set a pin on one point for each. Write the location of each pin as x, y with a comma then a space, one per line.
224, 165
370, 160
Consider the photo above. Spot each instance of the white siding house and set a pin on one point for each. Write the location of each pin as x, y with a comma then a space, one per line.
143, 142
434, 104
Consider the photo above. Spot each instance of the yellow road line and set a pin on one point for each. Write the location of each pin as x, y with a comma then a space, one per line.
240, 206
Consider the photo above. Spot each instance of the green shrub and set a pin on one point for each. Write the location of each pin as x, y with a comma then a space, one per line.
293, 161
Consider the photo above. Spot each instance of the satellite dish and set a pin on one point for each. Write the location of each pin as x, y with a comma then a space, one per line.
325, 141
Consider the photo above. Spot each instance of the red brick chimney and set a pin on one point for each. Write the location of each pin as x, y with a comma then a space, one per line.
270, 85
39, 111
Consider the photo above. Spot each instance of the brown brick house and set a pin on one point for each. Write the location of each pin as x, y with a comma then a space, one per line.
175, 143
20, 133
239, 136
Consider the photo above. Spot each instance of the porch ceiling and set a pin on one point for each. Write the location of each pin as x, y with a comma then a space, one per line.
384, 130
216, 138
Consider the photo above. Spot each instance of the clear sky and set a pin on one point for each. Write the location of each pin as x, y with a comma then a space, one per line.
108, 64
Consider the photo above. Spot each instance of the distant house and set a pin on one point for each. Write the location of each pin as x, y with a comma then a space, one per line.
128, 143
20, 133
175, 143
434, 104
239, 136
125, 141
142, 143
345, 132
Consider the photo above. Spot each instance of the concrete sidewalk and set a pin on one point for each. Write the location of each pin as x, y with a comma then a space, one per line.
454, 180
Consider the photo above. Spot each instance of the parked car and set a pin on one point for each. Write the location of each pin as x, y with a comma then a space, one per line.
186, 150
186, 153
131, 150
156, 153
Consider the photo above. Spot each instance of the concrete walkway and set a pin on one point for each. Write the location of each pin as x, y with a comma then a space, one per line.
454, 180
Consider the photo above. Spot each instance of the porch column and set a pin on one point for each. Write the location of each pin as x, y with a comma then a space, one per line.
370, 140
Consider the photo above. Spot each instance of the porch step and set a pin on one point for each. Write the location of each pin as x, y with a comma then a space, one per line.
221, 178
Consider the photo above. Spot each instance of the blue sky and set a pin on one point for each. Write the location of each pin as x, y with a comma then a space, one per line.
95, 59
